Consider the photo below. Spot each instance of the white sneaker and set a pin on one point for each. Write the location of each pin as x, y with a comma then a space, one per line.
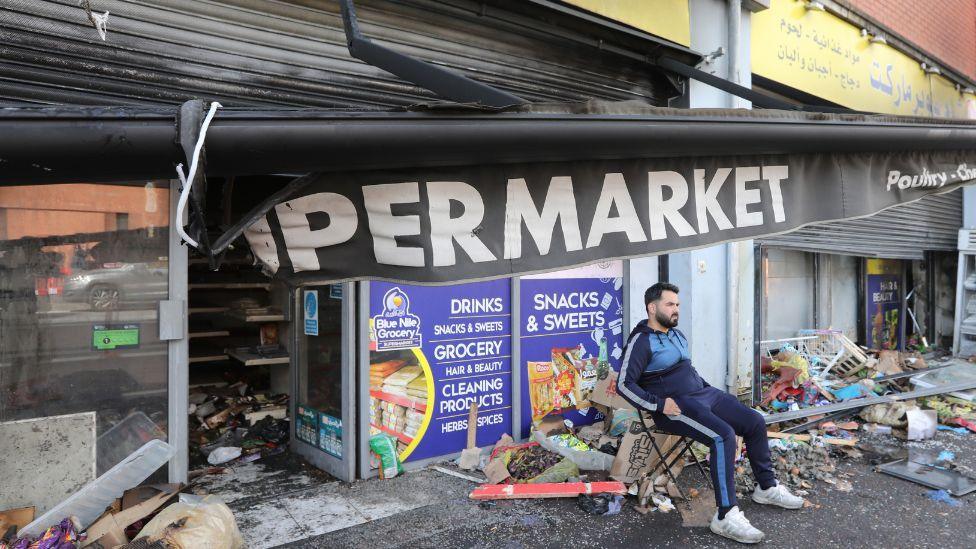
736, 526
777, 495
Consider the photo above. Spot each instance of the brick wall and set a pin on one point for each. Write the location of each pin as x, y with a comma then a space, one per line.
945, 29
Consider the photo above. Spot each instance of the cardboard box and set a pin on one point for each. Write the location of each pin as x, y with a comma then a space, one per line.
605, 393
636, 457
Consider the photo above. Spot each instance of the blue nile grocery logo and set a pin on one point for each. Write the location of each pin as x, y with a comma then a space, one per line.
396, 327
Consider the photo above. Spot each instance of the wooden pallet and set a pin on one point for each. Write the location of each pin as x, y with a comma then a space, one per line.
835, 347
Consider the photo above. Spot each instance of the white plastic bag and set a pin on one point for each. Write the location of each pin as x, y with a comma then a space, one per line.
223, 455
922, 423
209, 524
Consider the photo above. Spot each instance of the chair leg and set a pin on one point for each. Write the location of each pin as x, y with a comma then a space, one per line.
698, 462
667, 467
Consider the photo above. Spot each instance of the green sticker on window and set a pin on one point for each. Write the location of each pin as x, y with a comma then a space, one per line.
110, 337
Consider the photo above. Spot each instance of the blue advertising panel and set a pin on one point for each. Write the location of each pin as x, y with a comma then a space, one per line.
571, 335
433, 352
884, 298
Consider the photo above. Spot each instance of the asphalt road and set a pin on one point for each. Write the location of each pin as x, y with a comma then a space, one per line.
880, 511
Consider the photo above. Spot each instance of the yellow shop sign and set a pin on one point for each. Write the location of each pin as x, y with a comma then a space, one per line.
823, 55
665, 18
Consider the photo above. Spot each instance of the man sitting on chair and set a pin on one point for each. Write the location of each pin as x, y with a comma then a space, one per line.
657, 376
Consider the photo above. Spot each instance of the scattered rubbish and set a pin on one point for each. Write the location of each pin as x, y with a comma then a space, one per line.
787, 396
600, 504
807, 438
63, 535
944, 497
15, 518
576, 451
224, 454
384, 446
621, 421
137, 503
957, 430
843, 485
851, 391
569, 441
927, 474
457, 474
663, 503
546, 490
797, 464
971, 425
497, 471
891, 414
877, 428
921, 424
125, 437
237, 416
209, 523
90, 502
528, 462
946, 455
636, 457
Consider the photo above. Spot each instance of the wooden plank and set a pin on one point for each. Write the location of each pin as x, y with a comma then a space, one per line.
257, 317
473, 426
208, 358
249, 359
546, 490
229, 286
206, 310
209, 333
806, 438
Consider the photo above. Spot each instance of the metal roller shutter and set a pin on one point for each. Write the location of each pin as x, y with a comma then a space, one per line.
260, 52
902, 232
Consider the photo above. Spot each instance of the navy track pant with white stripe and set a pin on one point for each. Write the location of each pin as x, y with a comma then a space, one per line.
713, 418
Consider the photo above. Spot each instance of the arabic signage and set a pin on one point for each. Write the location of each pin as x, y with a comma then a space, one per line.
447, 225
823, 55
453, 351
571, 337
666, 18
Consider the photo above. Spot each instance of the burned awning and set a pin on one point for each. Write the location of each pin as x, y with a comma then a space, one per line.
441, 195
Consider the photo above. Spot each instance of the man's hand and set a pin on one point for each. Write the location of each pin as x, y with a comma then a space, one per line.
671, 408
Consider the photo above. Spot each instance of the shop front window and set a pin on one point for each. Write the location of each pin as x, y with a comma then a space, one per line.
82, 269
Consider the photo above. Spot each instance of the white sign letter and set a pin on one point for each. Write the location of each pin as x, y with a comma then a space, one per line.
385, 226
259, 237
615, 191
444, 229
661, 209
775, 174
301, 241
744, 197
706, 200
559, 203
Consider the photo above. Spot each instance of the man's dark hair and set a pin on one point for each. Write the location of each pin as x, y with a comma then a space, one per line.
654, 292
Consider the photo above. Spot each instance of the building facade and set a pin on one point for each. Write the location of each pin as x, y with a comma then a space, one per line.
96, 286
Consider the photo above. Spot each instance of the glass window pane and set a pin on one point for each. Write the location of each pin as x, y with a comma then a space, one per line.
82, 268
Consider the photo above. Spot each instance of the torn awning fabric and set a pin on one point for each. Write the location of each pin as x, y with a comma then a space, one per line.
439, 225
446, 193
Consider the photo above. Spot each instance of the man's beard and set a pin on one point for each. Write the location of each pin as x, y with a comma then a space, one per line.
667, 321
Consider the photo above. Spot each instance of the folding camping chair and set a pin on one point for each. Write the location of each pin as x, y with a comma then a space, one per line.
682, 447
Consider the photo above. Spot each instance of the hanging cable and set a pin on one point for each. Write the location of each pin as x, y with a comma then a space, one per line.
187, 179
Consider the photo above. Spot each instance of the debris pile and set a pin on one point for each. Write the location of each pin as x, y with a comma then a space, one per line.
236, 424
117, 507
798, 465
